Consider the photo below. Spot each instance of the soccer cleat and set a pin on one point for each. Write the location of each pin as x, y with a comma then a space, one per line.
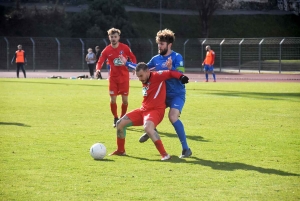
145, 137
165, 157
118, 153
186, 153
115, 122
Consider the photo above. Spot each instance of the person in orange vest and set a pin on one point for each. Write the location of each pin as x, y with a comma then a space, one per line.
20, 59
208, 63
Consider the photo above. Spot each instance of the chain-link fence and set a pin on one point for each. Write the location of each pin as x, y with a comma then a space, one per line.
68, 54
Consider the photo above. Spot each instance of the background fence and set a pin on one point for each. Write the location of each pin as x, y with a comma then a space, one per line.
248, 54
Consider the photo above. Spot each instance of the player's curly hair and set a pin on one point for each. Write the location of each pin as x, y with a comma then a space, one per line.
165, 35
113, 31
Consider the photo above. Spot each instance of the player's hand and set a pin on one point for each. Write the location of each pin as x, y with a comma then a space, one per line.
98, 72
184, 79
169, 63
123, 59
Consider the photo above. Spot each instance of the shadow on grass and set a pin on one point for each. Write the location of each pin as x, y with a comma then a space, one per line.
13, 124
171, 135
225, 166
256, 95
100, 83
104, 160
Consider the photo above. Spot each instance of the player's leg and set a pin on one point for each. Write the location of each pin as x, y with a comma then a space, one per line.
113, 92
23, 70
18, 69
121, 124
213, 73
133, 118
145, 137
206, 68
151, 120
176, 104
124, 91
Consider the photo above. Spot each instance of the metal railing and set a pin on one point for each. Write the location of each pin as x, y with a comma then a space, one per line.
239, 54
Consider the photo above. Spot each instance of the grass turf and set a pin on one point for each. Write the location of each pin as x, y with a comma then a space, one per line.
244, 138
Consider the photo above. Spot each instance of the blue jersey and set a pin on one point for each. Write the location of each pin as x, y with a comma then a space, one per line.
174, 86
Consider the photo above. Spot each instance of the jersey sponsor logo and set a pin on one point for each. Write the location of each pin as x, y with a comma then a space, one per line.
144, 90
118, 62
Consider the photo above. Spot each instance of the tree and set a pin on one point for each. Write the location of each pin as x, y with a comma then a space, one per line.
206, 8
101, 16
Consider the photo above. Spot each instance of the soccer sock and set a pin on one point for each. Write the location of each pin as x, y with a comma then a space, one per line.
124, 109
179, 128
206, 76
113, 109
214, 76
160, 147
121, 144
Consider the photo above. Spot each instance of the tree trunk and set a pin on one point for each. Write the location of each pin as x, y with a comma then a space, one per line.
205, 8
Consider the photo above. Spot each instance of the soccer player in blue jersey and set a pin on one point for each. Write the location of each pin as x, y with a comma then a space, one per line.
167, 59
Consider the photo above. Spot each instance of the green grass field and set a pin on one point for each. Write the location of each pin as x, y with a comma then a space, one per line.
244, 138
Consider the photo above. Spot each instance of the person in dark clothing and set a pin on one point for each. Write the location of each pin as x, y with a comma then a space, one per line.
20, 59
98, 53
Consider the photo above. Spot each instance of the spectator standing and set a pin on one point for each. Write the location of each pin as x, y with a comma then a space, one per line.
208, 63
20, 59
91, 60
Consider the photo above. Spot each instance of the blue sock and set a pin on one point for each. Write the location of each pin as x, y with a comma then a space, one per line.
214, 76
206, 76
181, 133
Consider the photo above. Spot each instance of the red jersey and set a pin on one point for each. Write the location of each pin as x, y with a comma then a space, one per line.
210, 58
117, 69
154, 91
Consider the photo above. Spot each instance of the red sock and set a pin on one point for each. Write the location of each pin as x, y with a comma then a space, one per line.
113, 109
160, 147
121, 144
124, 109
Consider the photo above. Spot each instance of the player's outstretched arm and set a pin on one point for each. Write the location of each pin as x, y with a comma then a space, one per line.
126, 63
168, 74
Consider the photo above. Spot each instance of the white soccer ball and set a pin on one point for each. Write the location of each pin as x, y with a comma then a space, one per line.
98, 151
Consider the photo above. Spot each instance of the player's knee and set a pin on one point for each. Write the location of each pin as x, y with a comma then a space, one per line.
173, 118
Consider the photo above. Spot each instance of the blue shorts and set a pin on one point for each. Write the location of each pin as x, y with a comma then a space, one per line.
175, 102
208, 67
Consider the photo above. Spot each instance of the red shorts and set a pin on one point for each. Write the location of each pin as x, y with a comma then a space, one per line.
139, 117
118, 88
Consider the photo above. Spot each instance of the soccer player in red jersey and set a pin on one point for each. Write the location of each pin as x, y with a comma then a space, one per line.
208, 62
152, 111
119, 73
